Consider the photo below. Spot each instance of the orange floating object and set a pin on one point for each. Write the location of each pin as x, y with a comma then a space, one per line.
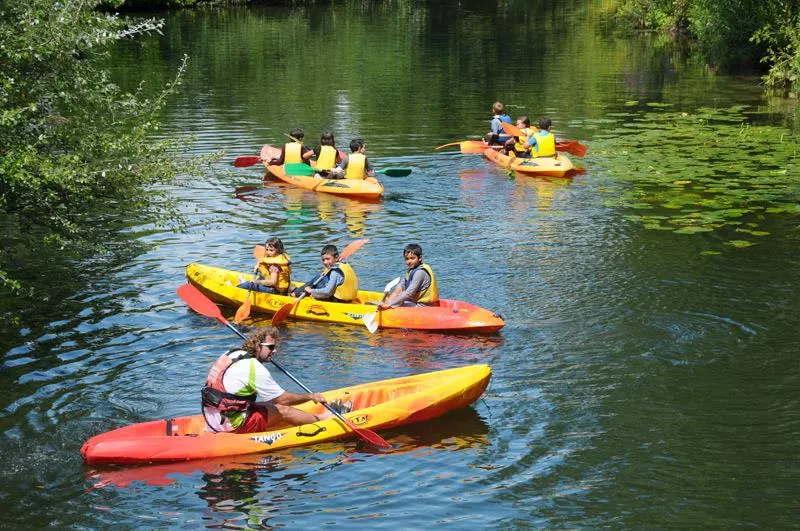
383, 404
558, 166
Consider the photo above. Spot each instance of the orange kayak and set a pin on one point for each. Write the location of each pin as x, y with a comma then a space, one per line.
369, 188
557, 166
383, 404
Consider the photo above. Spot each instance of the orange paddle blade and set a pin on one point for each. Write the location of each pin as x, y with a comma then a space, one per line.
281, 315
352, 247
244, 162
244, 310
573, 147
472, 147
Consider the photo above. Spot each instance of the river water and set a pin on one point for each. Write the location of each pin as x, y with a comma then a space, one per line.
646, 377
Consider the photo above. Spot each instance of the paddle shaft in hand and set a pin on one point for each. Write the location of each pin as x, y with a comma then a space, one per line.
195, 299
572, 147
370, 318
244, 310
286, 309
301, 169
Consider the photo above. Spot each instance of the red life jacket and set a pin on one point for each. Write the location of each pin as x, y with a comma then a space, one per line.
214, 394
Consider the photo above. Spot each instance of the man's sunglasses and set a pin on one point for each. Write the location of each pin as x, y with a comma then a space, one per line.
270, 346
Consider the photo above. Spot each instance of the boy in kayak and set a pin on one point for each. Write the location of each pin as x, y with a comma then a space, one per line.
326, 154
241, 396
339, 283
274, 270
355, 165
294, 151
496, 134
543, 142
519, 145
419, 287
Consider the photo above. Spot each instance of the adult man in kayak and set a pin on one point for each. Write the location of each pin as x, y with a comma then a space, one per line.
241, 396
339, 283
294, 151
497, 134
419, 286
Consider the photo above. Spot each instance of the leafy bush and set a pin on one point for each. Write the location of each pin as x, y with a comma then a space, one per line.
72, 142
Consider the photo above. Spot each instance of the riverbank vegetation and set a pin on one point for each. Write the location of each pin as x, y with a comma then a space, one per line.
78, 153
730, 34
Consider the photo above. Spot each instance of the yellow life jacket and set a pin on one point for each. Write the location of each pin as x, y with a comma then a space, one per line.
284, 263
327, 158
293, 153
520, 146
427, 296
348, 289
545, 144
356, 166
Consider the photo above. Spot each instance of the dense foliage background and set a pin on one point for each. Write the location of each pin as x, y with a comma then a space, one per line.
731, 34
78, 153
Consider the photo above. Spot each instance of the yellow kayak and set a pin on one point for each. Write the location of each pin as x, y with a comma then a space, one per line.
450, 316
376, 405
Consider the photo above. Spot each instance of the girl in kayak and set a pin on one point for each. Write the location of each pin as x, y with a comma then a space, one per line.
327, 156
338, 284
355, 165
496, 134
519, 145
543, 142
274, 270
419, 287
242, 396
294, 151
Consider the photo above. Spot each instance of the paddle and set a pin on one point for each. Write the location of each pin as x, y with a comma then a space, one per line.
370, 318
470, 147
286, 309
244, 310
204, 306
304, 170
570, 146
246, 161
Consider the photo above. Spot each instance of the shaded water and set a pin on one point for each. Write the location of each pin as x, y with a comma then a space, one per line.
640, 380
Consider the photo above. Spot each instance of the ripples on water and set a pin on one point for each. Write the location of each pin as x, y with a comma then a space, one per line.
636, 382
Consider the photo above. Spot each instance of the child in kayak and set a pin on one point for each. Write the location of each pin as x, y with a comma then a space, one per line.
294, 151
355, 165
496, 134
326, 154
543, 142
419, 287
519, 145
339, 283
274, 270
241, 395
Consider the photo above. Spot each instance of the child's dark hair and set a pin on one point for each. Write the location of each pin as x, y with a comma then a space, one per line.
498, 107
545, 123
356, 144
277, 243
414, 249
525, 120
329, 249
298, 133
327, 139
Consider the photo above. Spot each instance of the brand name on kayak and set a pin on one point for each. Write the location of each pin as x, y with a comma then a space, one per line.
268, 439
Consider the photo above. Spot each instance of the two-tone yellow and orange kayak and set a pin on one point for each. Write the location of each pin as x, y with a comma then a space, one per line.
383, 404
556, 166
369, 188
450, 316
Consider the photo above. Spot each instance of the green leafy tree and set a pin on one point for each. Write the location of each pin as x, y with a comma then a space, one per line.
72, 143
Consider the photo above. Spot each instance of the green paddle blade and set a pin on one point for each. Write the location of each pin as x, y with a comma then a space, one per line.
298, 168
395, 172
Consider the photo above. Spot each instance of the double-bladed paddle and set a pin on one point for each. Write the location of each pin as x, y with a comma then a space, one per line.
304, 170
570, 146
246, 161
204, 306
244, 310
286, 309
370, 319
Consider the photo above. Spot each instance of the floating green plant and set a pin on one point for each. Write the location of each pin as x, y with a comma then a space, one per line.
710, 170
